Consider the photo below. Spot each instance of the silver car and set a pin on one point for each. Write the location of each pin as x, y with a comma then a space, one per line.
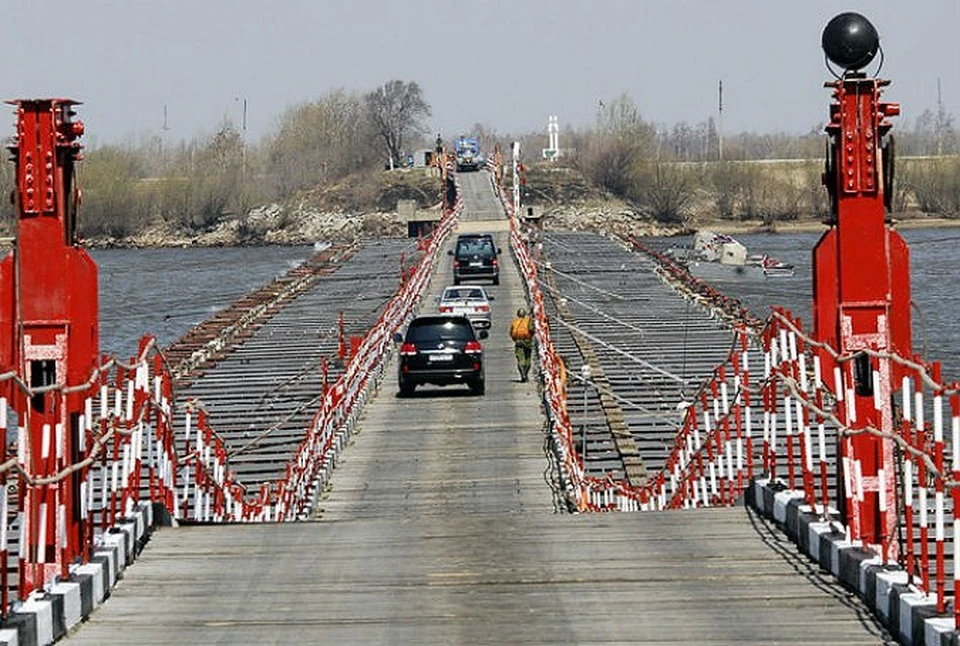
471, 301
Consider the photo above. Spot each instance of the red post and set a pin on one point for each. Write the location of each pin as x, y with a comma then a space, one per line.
862, 295
49, 331
341, 340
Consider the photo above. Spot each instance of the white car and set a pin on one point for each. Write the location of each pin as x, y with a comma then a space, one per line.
471, 301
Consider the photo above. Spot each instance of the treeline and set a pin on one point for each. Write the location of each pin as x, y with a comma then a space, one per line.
672, 173
192, 185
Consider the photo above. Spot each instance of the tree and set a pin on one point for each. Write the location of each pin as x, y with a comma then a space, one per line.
396, 109
319, 142
622, 138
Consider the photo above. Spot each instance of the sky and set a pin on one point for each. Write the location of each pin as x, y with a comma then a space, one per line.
507, 65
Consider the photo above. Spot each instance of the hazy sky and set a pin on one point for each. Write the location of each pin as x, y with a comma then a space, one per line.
507, 65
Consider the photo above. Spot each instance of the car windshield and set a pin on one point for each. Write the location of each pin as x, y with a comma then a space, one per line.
441, 331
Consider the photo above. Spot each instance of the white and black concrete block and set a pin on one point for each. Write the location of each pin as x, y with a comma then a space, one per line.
830, 543
97, 587
43, 612
106, 560
25, 625
850, 559
116, 540
908, 614
70, 593
59, 625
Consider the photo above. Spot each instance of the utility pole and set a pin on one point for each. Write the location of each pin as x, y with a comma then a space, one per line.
941, 117
720, 121
243, 140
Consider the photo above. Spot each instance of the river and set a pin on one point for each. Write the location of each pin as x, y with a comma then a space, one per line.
167, 291
934, 266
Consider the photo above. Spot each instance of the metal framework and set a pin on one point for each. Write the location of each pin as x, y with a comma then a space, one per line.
862, 298
49, 330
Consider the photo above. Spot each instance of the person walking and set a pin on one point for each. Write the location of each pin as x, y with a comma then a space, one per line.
521, 331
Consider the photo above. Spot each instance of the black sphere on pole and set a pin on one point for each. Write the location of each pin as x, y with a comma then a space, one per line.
850, 41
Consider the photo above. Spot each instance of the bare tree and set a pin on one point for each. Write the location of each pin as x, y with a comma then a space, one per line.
396, 110
319, 142
621, 139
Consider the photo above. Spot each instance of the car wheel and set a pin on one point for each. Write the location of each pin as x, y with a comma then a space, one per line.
496, 280
456, 281
407, 388
477, 387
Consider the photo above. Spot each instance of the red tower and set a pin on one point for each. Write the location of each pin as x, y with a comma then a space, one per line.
862, 281
49, 332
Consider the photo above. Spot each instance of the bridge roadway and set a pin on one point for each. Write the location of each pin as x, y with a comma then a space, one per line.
441, 527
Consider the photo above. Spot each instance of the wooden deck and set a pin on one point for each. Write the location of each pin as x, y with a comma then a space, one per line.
441, 527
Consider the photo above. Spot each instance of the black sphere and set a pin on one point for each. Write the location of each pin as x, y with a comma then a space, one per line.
850, 41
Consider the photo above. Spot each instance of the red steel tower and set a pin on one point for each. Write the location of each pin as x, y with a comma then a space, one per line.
49, 335
862, 281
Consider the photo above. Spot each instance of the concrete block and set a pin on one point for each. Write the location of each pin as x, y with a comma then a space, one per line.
25, 625
792, 513
868, 580
70, 592
767, 493
911, 629
116, 538
884, 585
110, 560
867, 584
780, 501
146, 509
59, 625
88, 599
9, 637
939, 630
100, 571
805, 516
43, 611
129, 530
830, 544
815, 530
851, 559
754, 495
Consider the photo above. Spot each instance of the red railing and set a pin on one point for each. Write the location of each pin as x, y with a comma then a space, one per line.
129, 453
788, 423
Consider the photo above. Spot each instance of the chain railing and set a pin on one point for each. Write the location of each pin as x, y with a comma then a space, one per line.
127, 451
769, 412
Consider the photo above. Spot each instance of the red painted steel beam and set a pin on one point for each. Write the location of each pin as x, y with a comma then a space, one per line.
49, 332
861, 284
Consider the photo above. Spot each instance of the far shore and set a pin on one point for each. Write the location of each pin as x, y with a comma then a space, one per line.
731, 227
814, 226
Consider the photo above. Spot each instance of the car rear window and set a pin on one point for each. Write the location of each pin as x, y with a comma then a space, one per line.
475, 246
440, 330
458, 294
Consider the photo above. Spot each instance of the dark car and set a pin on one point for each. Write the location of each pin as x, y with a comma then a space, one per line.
475, 256
440, 350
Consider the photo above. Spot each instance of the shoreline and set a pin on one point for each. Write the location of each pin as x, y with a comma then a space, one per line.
816, 226
728, 227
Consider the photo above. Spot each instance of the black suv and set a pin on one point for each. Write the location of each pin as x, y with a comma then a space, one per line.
475, 256
440, 350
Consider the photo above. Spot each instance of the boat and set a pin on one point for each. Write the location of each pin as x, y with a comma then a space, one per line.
720, 256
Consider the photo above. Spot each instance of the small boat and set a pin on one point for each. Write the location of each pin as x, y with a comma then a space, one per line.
772, 267
719, 256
